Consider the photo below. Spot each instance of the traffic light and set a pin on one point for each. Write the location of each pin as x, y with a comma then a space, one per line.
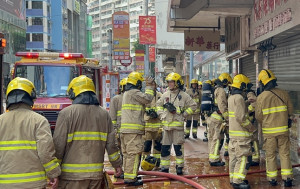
2, 42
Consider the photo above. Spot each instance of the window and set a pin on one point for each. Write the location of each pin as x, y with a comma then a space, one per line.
27, 36
26, 4
37, 4
37, 37
37, 21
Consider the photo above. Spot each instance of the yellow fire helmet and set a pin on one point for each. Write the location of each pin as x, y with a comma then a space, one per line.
134, 78
240, 81
123, 83
199, 82
79, 85
21, 84
176, 78
208, 82
148, 163
265, 76
213, 81
225, 78
194, 81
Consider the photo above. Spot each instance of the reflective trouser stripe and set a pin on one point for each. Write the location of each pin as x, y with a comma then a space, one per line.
275, 130
115, 156
87, 136
22, 177
135, 169
165, 162
271, 173
156, 156
78, 168
240, 133
114, 122
187, 131
255, 156
18, 145
189, 111
179, 161
286, 171
240, 174
51, 165
231, 114
231, 175
194, 130
216, 150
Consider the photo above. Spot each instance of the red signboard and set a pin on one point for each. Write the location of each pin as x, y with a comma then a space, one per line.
147, 30
126, 62
151, 54
139, 60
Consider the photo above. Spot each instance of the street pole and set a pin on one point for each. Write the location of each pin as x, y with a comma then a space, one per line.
110, 49
147, 66
191, 65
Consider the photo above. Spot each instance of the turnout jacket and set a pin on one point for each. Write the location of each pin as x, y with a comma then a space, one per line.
26, 149
196, 95
184, 104
151, 123
82, 134
133, 109
115, 111
272, 113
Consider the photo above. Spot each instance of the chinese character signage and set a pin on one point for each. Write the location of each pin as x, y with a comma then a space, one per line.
151, 54
139, 60
147, 30
121, 37
197, 40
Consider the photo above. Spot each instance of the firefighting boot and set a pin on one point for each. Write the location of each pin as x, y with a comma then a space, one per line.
242, 185
205, 140
194, 135
164, 170
134, 183
288, 182
179, 170
273, 182
205, 137
217, 164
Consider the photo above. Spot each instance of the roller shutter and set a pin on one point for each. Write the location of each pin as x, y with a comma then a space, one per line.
248, 67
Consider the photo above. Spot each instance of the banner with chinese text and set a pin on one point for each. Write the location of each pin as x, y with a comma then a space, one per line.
147, 30
121, 36
151, 54
198, 40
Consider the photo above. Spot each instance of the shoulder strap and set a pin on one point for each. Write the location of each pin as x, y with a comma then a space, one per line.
278, 97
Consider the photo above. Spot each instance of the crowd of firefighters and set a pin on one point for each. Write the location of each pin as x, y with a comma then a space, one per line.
138, 122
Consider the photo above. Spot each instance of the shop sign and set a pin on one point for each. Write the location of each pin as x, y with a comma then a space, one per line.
197, 40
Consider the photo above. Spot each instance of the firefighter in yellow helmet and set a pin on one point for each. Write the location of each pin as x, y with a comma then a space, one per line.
26, 144
153, 131
133, 125
217, 118
251, 104
173, 108
82, 134
240, 133
195, 117
273, 110
200, 85
206, 105
115, 109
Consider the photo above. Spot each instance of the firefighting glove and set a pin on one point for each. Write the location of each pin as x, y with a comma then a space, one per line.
170, 107
152, 114
149, 81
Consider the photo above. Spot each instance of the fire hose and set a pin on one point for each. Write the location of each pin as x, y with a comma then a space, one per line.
185, 178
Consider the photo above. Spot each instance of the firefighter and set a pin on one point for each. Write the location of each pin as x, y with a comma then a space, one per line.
27, 149
273, 110
173, 108
251, 102
240, 131
206, 105
132, 124
200, 86
82, 134
115, 111
195, 117
153, 131
217, 118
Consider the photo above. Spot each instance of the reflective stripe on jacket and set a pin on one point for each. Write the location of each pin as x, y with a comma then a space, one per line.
184, 104
27, 149
82, 135
150, 123
196, 95
133, 109
273, 113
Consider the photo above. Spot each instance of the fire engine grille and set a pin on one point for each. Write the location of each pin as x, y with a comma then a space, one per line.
50, 115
